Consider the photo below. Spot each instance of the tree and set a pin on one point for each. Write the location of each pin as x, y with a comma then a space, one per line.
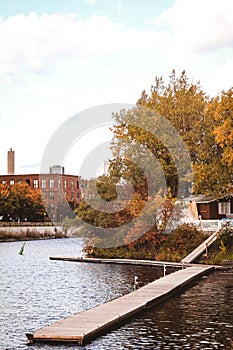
150, 232
169, 114
223, 132
213, 173
9, 203
20, 202
183, 104
205, 126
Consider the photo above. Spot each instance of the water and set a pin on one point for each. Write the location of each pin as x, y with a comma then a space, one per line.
36, 291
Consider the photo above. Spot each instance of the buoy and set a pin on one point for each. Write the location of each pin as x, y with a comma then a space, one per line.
22, 248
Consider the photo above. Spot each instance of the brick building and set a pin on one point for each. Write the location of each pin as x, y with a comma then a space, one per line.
57, 189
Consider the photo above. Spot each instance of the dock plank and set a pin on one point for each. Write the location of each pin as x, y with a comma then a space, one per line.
89, 324
154, 263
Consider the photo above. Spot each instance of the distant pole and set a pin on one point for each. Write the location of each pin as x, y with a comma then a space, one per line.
135, 282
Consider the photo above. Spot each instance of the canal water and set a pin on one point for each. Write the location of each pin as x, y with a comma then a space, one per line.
36, 291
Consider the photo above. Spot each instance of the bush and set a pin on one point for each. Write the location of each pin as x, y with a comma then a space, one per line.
180, 242
222, 248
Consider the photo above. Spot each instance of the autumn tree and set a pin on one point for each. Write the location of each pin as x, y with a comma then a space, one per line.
20, 202
9, 202
223, 132
205, 126
183, 104
213, 173
180, 104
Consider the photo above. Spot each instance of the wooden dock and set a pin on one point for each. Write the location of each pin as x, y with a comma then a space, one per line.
87, 325
124, 261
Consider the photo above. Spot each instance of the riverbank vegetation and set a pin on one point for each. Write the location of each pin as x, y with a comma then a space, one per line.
171, 246
222, 248
11, 234
151, 171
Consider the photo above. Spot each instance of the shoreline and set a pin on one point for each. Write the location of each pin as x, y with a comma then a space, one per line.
27, 233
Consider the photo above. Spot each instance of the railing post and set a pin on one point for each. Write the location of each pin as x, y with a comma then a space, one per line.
200, 222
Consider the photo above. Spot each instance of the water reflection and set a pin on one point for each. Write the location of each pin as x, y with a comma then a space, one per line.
36, 291
200, 318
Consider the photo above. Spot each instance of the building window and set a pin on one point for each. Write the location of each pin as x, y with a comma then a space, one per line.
72, 196
51, 194
43, 194
35, 183
4, 182
59, 195
43, 183
51, 207
51, 183
58, 183
65, 183
72, 184
224, 207
12, 182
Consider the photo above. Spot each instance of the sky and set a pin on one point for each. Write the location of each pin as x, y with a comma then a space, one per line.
61, 57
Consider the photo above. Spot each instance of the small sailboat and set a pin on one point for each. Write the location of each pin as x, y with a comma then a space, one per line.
22, 248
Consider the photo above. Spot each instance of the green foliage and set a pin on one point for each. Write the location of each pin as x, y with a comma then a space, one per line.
226, 236
185, 238
180, 103
183, 104
204, 124
222, 248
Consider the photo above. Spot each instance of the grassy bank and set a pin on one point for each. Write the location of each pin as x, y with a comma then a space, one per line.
172, 247
8, 234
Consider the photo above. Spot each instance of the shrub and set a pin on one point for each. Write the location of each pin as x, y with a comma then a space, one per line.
180, 242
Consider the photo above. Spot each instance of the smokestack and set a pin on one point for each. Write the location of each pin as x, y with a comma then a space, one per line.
11, 162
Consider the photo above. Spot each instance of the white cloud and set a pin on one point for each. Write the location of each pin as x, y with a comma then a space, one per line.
37, 43
119, 7
222, 76
203, 25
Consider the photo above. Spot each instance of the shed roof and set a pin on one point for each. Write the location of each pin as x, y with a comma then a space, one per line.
208, 199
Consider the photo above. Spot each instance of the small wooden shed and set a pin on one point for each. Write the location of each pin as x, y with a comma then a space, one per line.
211, 208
